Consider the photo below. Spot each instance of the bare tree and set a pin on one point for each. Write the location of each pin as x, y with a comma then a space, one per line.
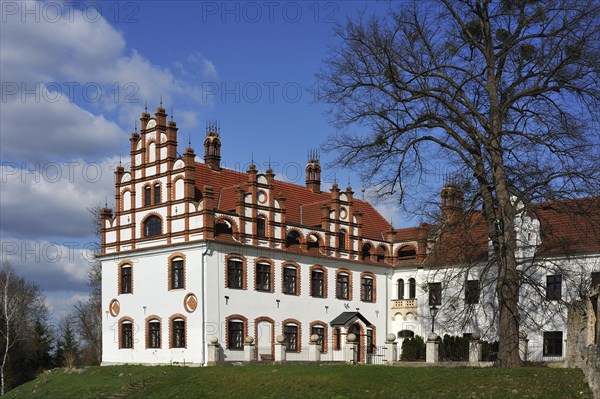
88, 314
506, 91
21, 307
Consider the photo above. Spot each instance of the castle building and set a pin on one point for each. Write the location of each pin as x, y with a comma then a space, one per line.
194, 251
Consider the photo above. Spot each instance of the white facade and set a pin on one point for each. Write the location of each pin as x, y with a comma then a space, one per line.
194, 252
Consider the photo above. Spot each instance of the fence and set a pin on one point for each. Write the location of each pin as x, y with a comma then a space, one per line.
537, 353
377, 356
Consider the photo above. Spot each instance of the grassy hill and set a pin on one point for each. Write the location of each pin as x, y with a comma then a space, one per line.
305, 381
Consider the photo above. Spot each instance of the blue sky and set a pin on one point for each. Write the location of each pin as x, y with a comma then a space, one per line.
76, 76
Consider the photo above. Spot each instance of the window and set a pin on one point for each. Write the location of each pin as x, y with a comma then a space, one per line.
553, 287
412, 288
157, 193
235, 274
260, 228
263, 277
435, 294
407, 253
369, 342
472, 292
313, 242
317, 283
178, 333
365, 252
320, 331
337, 339
595, 278
152, 226
235, 335
343, 286
126, 279
366, 289
177, 273
290, 280
292, 238
342, 240
126, 335
223, 227
154, 334
147, 196
400, 289
290, 335
380, 254
553, 342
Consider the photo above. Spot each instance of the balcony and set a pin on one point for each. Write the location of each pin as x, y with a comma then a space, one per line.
404, 307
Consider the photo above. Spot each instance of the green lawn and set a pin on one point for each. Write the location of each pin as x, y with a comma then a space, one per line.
306, 381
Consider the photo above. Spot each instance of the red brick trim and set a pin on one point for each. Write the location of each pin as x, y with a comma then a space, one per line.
349, 273
336, 337
147, 325
324, 270
154, 184
185, 329
325, 336
269, 320
121, 321
291, 265
123, 264
244, 270
299, 325
232, 318
374, 278
173, 257
147, 185
272, 273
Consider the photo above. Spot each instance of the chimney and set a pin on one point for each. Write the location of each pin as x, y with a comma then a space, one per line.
452, 202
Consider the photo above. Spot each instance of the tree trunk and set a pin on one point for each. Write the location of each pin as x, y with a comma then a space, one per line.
7, 334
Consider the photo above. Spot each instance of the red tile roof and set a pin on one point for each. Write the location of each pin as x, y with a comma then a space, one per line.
303, 206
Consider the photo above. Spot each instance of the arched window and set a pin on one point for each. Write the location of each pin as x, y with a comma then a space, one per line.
236, 273
178, 333
125, 279
153, 328
367, 287
366, 251
126, 341
407, 252
318, 282
343, 286
157, 193
313, 242
291, 336
320, 328
177, 274
400, 288
290, 280
223, 227
152, 226
236, 330
412, 288
292, 238
147, 196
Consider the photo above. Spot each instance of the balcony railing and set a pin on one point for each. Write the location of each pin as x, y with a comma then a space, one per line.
402, 304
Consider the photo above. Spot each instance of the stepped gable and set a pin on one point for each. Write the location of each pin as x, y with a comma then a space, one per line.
299, 200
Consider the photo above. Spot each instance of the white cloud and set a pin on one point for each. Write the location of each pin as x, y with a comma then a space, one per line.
52, 198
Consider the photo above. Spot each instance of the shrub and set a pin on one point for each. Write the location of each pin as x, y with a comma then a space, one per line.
413, 349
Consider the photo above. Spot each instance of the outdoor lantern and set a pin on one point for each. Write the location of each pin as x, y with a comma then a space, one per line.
433, 311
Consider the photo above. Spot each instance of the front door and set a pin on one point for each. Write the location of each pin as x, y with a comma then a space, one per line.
356, 329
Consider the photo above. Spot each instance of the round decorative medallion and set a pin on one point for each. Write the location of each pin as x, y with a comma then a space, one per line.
262, 197
343, 213
190, 303
114, 308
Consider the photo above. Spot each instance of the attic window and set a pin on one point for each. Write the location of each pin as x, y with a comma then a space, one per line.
366, 251
223, 227
407, 253
293, 238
